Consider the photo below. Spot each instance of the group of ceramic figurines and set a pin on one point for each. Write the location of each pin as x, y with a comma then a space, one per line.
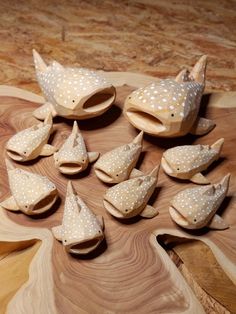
167, 108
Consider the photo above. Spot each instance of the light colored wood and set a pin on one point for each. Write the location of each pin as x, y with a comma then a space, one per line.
14, 267
25, 267
218, 285
130, 272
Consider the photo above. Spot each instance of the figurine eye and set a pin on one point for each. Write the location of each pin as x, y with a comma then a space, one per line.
25, 153
126, 210
73, 100
65, 240
117, 175
177, 168
195, 220
172, 115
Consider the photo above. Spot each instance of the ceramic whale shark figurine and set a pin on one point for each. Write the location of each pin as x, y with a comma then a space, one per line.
118, 164
81, 231
32, 193
73, 157
186, 162
169, 108
195, 208
30, 143
73, 93
129, 198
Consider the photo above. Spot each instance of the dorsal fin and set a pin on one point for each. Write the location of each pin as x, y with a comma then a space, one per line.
198, 72
40, 65
182, 76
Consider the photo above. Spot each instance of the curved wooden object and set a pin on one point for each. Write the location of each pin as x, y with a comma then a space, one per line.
130, 272
25, 269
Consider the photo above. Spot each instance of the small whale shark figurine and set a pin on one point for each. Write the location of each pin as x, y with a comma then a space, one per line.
32, 193
195, 208
73, 93
129, 198
118, 164
81, 231
30, 143
169, 108
186, 162
73, 157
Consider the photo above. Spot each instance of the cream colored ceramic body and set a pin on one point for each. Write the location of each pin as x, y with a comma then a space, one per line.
129, 198
117, 165
32, 142
196, 208
169, 108
32, 193
73, 157
81, 231
73, 93
186, 162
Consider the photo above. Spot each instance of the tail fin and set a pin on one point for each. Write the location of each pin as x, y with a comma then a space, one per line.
217, 146
154, 172
138, 139
40, 65
225, 182
198, 72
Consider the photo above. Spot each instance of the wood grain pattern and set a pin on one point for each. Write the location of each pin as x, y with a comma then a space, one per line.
25, 269
152, 37
129, 272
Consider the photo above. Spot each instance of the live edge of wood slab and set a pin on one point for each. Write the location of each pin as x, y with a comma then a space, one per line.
130, 272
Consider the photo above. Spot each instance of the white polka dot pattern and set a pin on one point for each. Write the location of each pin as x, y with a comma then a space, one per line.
79, 223
131, 196
67, 88
28, 188
29, 142
198, 205
185, 161
119, 162
73, 150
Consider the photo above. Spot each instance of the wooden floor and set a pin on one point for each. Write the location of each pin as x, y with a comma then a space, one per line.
159, 38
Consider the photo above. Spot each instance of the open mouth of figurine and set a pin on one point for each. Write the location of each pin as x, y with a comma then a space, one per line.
102, 175
14, 155
145, 121
177, 217
85, 246
45, 203
70, 168
100, 100
112, 209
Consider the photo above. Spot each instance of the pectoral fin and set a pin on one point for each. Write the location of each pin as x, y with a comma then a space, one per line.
149, 212
93, 156
135, 173
57, 232
218, 223
199, 179
48, 150
42, 112
10, 204
202, 126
